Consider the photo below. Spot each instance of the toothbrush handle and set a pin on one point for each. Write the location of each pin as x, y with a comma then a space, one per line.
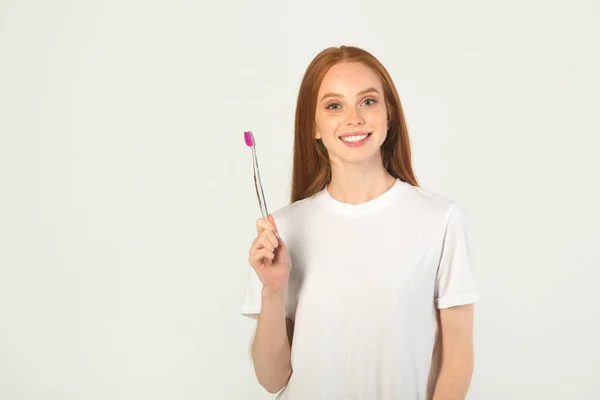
258, 185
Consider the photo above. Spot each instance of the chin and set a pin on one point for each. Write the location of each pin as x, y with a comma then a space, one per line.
363, 158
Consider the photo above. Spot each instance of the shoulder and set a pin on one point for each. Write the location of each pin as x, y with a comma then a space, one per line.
429, 200
435, 204
293, 214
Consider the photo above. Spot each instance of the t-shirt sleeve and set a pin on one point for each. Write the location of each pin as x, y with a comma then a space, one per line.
455, 284
252, 296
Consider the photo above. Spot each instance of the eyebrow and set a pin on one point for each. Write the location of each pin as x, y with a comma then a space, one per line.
362, 92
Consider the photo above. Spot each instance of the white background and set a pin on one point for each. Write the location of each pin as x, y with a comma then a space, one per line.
127, 203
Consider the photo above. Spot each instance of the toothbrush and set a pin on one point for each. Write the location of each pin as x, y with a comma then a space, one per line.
249, 138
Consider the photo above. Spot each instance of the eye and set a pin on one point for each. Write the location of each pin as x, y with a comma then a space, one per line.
329, 107
373, 101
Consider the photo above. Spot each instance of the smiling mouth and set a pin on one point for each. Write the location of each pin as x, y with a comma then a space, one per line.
355, 138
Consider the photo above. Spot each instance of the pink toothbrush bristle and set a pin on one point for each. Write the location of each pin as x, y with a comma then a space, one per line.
249, 139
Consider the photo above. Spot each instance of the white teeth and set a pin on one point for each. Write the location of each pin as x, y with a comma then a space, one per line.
354, 138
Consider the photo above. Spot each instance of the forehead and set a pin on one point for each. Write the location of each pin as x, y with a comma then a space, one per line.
348, 78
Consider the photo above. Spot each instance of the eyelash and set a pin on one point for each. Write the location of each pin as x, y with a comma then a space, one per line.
331, 104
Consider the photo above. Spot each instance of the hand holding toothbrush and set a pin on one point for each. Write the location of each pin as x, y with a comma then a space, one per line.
269, 257
268, 254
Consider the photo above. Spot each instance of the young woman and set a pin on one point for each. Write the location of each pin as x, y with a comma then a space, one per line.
362, 286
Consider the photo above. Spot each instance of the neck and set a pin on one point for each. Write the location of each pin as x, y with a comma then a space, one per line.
356, 183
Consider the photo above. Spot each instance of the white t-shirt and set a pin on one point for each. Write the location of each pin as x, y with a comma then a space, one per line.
365, 283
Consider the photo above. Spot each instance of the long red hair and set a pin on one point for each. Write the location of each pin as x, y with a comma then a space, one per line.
311, 170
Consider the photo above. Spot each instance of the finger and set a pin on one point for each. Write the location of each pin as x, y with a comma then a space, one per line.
268, 256
270, 236
264, 224
272, 221
263, 242
261, 257
253, 245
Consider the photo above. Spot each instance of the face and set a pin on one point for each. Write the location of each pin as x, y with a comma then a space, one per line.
351, 116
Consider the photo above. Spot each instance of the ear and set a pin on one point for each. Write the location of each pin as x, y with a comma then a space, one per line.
317, 134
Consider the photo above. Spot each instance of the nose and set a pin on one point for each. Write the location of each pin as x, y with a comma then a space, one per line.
354, 117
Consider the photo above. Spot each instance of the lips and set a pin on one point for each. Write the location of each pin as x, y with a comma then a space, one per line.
358, 133
354, 137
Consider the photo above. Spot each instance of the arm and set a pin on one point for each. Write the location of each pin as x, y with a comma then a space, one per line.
457, 353
271, 346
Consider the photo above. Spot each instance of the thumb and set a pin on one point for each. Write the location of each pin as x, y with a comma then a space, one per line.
272, 220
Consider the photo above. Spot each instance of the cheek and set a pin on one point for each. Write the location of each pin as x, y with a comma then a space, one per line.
328, 124
334, 122
378, 119
378, 114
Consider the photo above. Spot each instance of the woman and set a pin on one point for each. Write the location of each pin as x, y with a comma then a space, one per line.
361, 287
